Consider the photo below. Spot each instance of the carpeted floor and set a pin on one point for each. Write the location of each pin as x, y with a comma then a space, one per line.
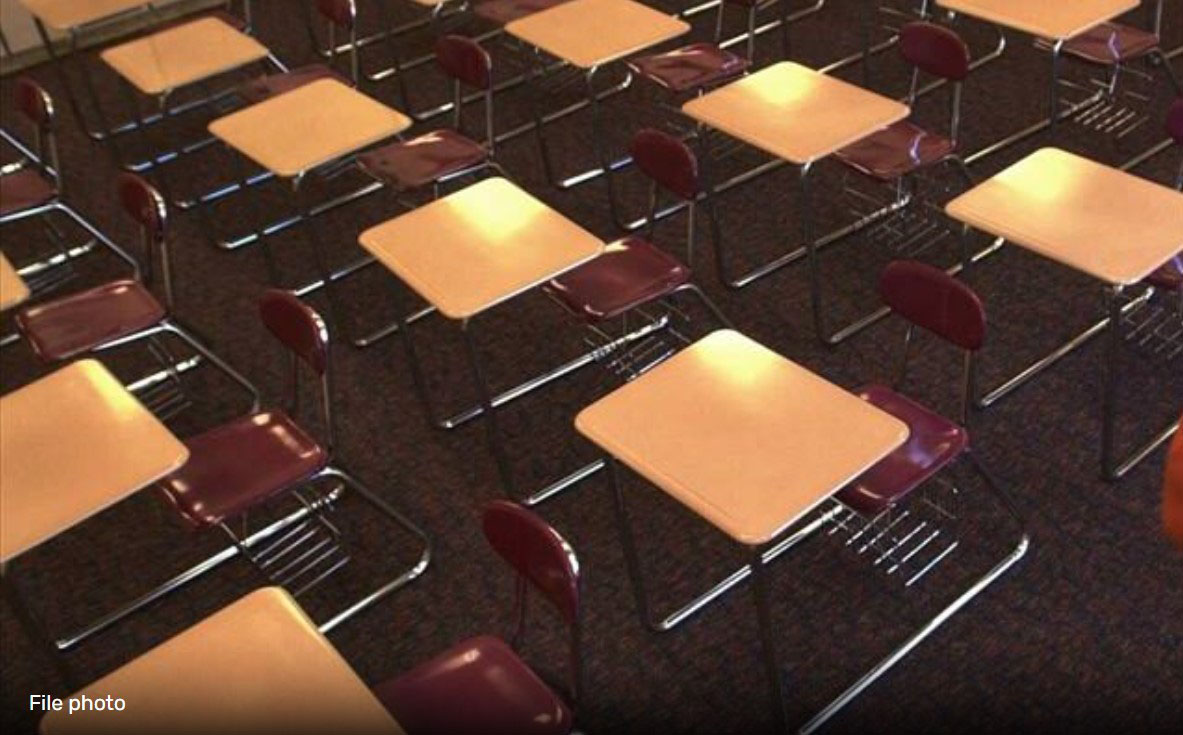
1085, 634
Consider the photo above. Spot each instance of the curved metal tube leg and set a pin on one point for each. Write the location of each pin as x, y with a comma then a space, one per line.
492, 432
685, 612
416, 369
98, 235
1112, 467
591, 468
369, 340
627, 541
315, 211
565, 483
592, 100
190, 574
1112, 366
761, 595
1051, 358
1048, 122
599, 146
403, 578
883, 666
171, 325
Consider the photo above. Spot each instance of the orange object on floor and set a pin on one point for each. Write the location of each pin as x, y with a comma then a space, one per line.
1172, 494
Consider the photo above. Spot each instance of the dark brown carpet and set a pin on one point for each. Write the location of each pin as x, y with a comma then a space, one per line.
1085, 634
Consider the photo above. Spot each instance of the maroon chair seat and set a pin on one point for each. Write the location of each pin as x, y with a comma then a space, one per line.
422, 160
690, 67
240, 464
898, 149
477, 686
74, 324
270, 85
932, 443
1169, 275
24, 189
504, 11
629, 272
1111, 42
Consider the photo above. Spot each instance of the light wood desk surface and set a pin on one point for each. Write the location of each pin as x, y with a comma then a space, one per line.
72, 444
258, 665
309, 126
182, 55
1054, 19
744, 437
794, 112
66, 14
588, 33
1106, 223
480, 246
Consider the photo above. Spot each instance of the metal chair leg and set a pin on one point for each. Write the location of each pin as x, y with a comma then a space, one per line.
751, 35
492, 433
488, 403
233, 243
960, 166
1113, 467
529, 386
628, 542
565, 483
303, 210
403, 578
98, 235
180, 580
917, 637
603, 166
173, 326
1172, 77
574, 478
1045, 362
170, 325
408, 340
685, 612
761, 596
879, 314
377, 335
736, 282
1011, 558
708, 303
78, 219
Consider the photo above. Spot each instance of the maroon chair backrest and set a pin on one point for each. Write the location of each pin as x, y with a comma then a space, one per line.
464, 59
33, 102
297, 326
931, 298
143, 203
666, 160
935, 50
1175, 121
342, 13
537, 552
